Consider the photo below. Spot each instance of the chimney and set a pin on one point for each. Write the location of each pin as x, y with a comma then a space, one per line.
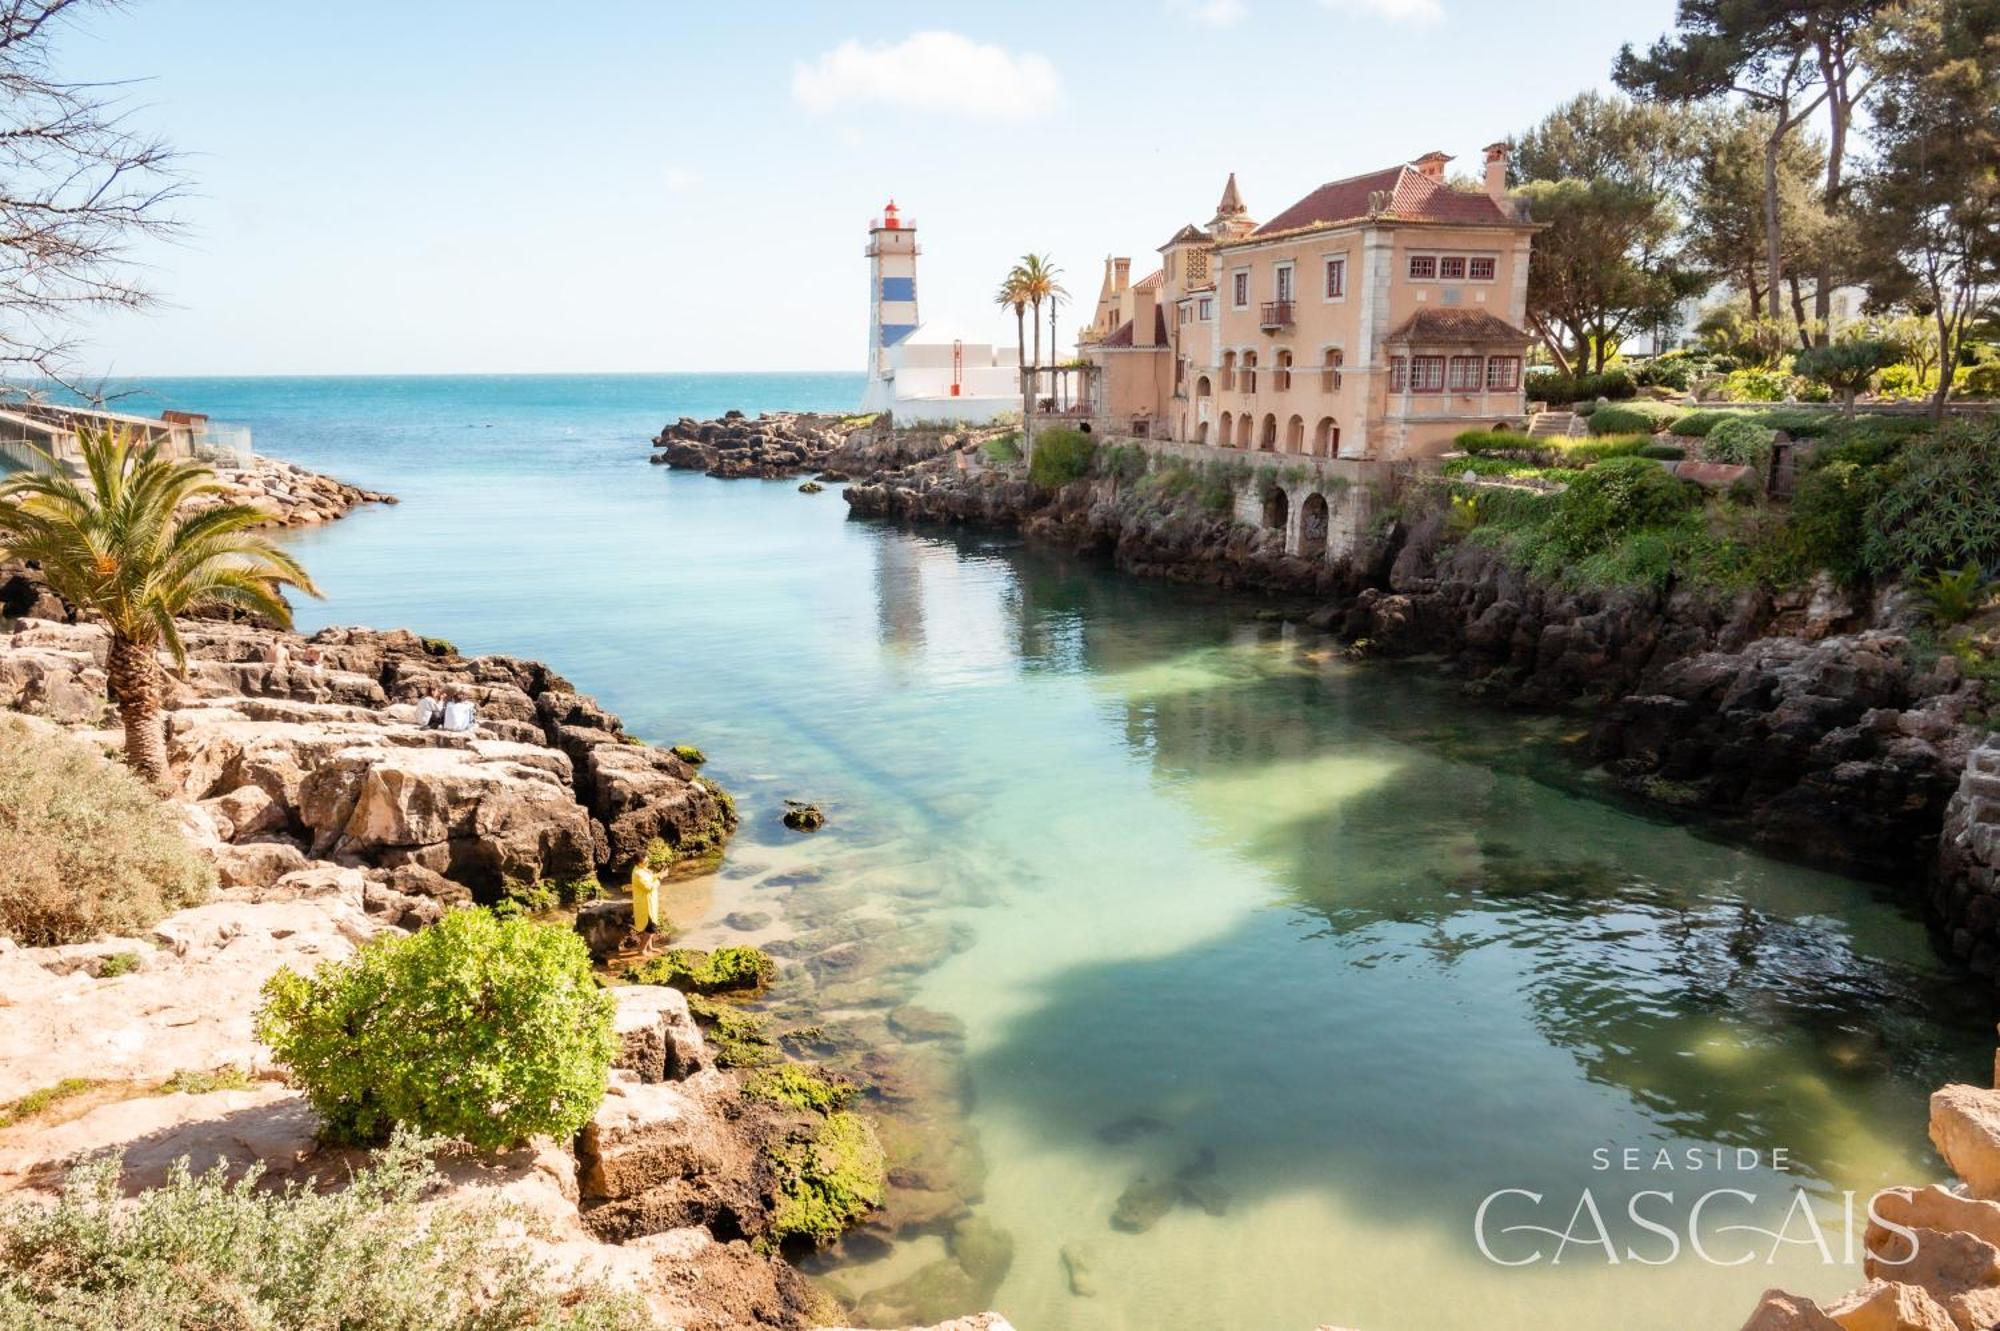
1496, 173
1122, 268
1431, 165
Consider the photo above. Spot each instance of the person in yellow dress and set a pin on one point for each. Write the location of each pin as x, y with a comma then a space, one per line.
646, 923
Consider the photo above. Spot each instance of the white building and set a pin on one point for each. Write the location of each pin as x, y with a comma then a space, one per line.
919, 371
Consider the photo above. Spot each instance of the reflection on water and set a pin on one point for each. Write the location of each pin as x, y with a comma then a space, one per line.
1134, 907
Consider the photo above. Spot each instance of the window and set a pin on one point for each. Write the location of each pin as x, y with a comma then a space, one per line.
1284, 283
1465, 372
1206, 310
1451, 267
1503, 373
1249, 371
1423, 267
1240, 287
1426, 374
1281, 378
1480, 270
1399, 374
1329, 374
1336, 278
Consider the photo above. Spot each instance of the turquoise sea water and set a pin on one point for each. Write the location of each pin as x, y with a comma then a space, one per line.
1312, 954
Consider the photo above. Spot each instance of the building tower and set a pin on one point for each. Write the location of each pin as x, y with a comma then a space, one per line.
892, 300
1232, 221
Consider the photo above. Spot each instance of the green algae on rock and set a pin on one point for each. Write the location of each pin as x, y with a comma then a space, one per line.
693, 971
829, 1181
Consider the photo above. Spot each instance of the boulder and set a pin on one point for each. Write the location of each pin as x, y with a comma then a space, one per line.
1780, 1311
1965, 1128
657, 1036
1885, 1306
646, 1133
257, 864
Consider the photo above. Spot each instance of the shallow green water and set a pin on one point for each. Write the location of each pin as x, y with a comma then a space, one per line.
1322, 951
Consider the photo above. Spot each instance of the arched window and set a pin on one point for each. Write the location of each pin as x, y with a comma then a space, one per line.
1228, 371
1268, 440
1329, 373
1326, 438
1228, 419
1201, 386
1313, 526
1244, 425
1277, 509
1201, 430
1249, 384
1281, 378
1295, 435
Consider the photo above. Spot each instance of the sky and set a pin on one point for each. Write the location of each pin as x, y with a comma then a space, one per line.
443, 186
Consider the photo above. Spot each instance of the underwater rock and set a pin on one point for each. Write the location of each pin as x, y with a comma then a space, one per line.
984, 1251
1129, 1129
1077, 1267
747, 921
1143, 1204
921, 1023
803, 817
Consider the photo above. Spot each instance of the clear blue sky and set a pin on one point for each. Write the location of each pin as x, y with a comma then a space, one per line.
496, 186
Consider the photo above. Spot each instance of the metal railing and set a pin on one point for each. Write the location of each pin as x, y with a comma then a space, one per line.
1276, 314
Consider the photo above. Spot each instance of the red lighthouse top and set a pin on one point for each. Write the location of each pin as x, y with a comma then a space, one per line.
890, 222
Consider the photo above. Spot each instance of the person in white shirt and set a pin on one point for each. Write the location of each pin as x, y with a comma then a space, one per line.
458, 713
430, 712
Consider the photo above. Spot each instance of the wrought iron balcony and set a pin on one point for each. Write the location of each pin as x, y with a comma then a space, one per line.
1277, 314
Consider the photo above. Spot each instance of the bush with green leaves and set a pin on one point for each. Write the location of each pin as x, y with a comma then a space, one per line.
1846, 367
478, 1028
1939, 506
1004, 448
1634, 418
85, 847
1742, 442
1060, 456
1953, 596
202, 1251
1614, 498
1756, 384
1829, 519
1559, 389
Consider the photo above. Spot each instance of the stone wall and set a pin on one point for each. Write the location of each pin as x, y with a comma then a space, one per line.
1966, 890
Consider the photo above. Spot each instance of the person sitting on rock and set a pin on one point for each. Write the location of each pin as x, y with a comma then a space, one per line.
458, 713
646, 923
430, 712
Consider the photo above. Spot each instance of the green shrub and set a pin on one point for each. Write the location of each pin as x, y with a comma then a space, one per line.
1742, 442
1634, 418
206, 1081
1697, 424
1663, 452
1613, 498
484, 1029
1127, 462
1848, 366
689, 754
1498, 441
85, 847
34, 1102
1953, 596
203, 1252
1981, 380
1558, 389
1061, 456
1755, 385
1585, 452
830, 1181
1829, 520
439, 646
696, 972
1939, 506
117, 964
1005, 449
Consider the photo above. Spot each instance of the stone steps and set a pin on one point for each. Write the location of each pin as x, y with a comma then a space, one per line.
1555, 425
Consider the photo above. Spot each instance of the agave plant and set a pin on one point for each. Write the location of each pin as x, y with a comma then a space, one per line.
123, 545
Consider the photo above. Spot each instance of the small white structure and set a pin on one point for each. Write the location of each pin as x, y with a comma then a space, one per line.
919, 371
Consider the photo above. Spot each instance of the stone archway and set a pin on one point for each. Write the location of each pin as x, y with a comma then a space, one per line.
1314, 523
1244, 425
1326, 437
1228, 420
1201, 433
1267, 440
1295, 435
1277, 508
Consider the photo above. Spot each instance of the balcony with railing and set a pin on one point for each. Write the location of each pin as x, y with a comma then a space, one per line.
1276, 314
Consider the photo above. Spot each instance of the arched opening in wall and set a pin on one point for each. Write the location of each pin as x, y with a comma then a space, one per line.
1249, 384
1313, 524
1281, 378
1244, 425
1201, 387
1268, 440
1329, 370
1228, 371
1224, 438
1326, 437
1295, 435
1277, 508
1201, 431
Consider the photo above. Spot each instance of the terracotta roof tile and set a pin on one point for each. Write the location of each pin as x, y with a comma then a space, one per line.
1121, 336
1457, 326
1412, 197
1150, 280
1187, 235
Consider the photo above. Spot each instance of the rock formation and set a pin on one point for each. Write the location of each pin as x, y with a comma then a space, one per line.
774, 444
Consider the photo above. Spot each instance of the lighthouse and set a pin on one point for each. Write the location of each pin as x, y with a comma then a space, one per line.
925, 373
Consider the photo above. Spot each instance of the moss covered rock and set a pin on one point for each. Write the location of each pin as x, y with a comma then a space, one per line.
828, 1181
693, 971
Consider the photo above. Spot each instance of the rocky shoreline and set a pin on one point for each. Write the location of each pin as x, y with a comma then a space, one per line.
293, 495
331, 818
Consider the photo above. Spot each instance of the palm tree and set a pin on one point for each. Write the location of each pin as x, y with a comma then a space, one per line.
1011, 294
1038, 283
125, 549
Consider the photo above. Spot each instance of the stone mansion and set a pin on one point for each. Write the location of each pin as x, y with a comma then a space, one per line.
1376, 318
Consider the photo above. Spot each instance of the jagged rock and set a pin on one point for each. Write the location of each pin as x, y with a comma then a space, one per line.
1780, 1311
775, 444
1883, 1306
658, 1038
257, 863
1946, 1263
1965, 1128
802, 817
